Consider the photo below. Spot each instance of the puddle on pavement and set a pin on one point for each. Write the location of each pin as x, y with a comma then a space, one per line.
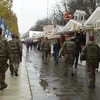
43, 83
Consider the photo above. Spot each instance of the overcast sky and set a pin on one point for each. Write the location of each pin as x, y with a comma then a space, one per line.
29, 11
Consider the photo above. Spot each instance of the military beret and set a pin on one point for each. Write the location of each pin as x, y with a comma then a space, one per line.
13, 35
91, 37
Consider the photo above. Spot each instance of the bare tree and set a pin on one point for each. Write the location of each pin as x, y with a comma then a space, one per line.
40, 24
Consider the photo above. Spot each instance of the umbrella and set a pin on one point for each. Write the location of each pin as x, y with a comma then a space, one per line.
28, 40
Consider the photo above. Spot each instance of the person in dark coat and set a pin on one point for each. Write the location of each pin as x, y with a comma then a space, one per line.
56, 49
78, 49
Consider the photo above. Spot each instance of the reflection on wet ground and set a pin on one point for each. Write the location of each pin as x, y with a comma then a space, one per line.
48, 83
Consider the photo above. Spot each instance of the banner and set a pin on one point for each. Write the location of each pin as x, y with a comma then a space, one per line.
48, 29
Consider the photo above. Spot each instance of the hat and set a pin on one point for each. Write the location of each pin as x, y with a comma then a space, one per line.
91, 38
13, 35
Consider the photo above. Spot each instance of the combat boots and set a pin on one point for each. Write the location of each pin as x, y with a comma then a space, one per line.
3, 86
16, 72
91, 85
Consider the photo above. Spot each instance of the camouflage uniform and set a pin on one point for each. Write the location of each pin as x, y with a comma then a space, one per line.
20, 47
46, 48
91, 53
16, 50
5, 55
68, 50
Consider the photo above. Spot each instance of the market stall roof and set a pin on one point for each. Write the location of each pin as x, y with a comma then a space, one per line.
79, 12
70, 25
58, 29
93, 18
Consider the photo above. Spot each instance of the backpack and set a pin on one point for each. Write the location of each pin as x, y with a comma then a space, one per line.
3, 51
13, 46
46, 45
70, 47
92, 51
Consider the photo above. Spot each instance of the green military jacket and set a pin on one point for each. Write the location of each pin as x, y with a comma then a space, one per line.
68, 47
5, 51
91, 54
46, 46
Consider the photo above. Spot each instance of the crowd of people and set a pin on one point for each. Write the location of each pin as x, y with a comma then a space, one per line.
10, 57
71, 49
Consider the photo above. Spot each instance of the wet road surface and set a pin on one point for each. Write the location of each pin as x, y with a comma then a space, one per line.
48, 83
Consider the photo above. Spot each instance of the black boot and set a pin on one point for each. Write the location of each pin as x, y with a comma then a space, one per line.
3, 86
90, 85
16, 73
72, 74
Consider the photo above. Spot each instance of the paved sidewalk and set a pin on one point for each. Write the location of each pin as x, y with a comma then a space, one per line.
18, 87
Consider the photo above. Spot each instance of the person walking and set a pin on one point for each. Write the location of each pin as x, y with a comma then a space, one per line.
15, 49
78, 49
20, 47
56, 49
68, 50
5, 55
46, 48
91, 54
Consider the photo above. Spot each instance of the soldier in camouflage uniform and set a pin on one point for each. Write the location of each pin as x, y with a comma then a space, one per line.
15, 49
46, 48
91, 53
20, 47
68, 51
5, 55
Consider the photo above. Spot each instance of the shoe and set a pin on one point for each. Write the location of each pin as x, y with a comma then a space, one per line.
56, 62
92, 86
16, 73
72, 74
3, 86
12, 74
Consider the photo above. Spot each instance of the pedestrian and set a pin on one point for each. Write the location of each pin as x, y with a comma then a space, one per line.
46, 48
68, 50
82, 38
27, 46
5, 55
91, 54
15, 49
62, 39
20, 47
78, 49
56, 49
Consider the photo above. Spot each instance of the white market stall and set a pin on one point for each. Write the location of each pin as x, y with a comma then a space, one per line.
94, 22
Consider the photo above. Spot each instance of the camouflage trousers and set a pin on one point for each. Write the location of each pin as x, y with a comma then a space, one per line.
44, 55
3, 69
16, 61
91, 74
68, 63
16, 65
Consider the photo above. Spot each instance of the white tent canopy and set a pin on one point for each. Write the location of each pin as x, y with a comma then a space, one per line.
71, 25
58, 29
93, 18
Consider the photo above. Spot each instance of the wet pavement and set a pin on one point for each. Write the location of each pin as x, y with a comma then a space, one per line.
18, 87
48, 83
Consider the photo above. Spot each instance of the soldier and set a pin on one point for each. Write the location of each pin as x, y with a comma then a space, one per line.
15, 49
68, 50
20, 47
46, 48
91, 53
5, 55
